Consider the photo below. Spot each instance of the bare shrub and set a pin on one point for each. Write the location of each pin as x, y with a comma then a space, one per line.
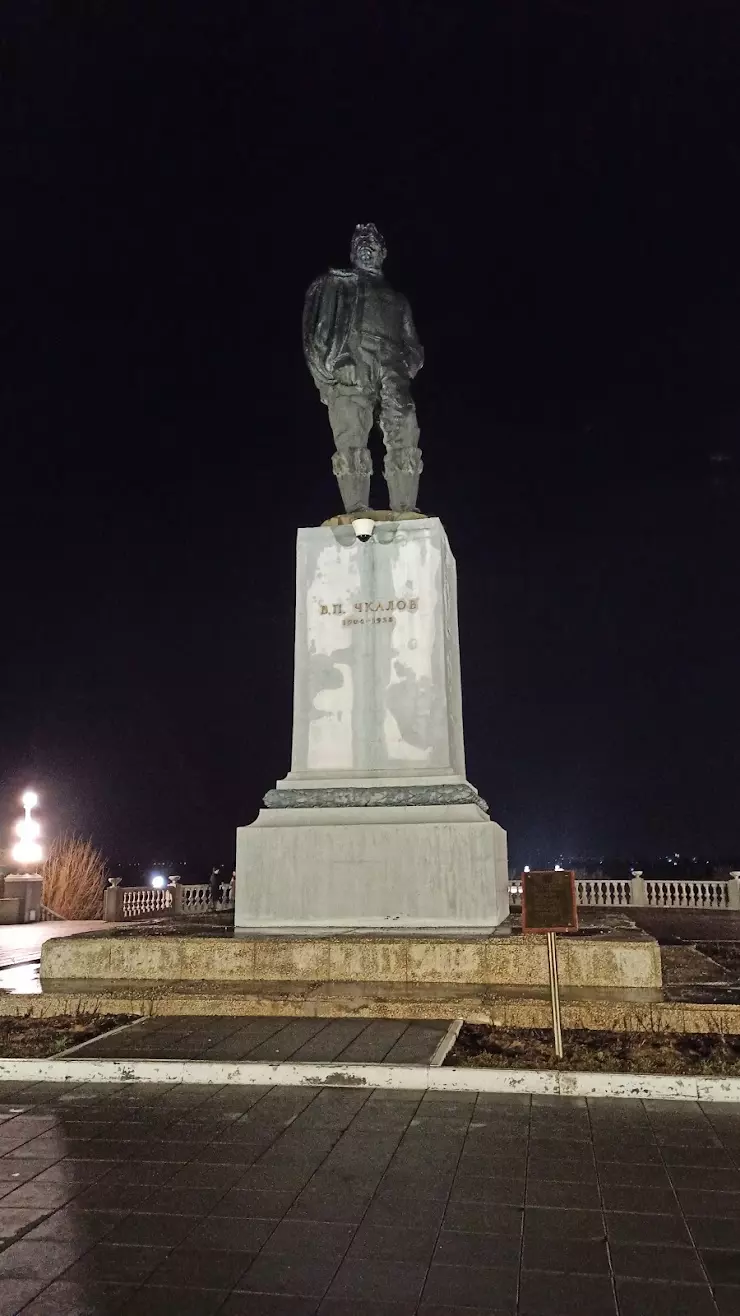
75, 875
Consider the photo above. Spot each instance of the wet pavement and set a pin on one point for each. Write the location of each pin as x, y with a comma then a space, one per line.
21, 942
249, 1202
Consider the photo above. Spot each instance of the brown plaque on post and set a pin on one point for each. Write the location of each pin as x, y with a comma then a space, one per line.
549, 901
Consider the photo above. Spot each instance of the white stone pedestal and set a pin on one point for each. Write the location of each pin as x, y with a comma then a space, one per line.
376, 824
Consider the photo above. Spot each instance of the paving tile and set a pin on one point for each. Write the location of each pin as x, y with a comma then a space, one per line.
112, 1196
15, 1293
505, 1192
302, 1277
722, 1264
14, 1172
578, 1196
448, 1103
727, 1298
68, 1299
473, 1286
250, 1202
351, 1307
139, 1227
657, 1262
374, 1280
552, 1167
182, 1201
201, 1268
651, 1201
438, 1309
110, 1261
268, 1304
230, 1233
715, 1158
472, 1165
307, 1238
697, 1202
714, 1231
546, 1222
633, 1227
572, 1256
82, 1172
42, 1258
340, 1207
627, 1174
465, 1248
545, 1294
152, 1301
417, 1045
642, 1298
199, 1175
400, 1210
707, 1178
394, 1242
71, 1222
634, 1153
16, 1221
375, 1042
44, 1197
482, 1217
334, 1037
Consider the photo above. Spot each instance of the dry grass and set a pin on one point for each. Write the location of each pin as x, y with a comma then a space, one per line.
482, 1047
75, 876
47, 1037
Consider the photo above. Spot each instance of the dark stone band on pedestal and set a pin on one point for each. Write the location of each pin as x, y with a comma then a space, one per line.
344, 797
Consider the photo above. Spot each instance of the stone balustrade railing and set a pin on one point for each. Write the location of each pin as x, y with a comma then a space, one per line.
649, 893
123, 903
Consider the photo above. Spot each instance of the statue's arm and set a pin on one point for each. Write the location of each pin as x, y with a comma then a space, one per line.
319, 320
413, 350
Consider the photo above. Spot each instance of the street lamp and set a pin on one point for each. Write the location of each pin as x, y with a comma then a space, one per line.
27, 849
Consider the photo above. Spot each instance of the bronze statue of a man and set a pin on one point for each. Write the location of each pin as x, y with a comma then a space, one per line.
362, 350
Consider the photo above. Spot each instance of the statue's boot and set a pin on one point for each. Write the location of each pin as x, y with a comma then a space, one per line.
403, 467
353, 468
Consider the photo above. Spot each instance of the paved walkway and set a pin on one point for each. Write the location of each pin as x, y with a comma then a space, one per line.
393, 1041
22, 942
252, 1202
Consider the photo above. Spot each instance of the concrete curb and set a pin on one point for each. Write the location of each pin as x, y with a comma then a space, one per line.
429, 1078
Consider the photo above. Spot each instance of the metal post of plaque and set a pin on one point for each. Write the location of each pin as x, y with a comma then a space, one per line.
549, 906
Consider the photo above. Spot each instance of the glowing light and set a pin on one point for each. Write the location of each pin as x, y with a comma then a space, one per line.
27, 849
158, 881
558, 868
527, 869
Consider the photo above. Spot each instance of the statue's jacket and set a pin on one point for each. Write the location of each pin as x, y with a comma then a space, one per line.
330, 319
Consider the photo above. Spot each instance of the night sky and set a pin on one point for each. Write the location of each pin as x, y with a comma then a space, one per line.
559, 189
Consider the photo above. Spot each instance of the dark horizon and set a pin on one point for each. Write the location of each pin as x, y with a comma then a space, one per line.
559, 194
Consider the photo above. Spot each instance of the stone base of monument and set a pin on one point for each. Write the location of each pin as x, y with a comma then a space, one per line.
404, 962
376, 825
415, 867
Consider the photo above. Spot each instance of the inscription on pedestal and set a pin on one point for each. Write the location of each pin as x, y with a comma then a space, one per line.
393, 605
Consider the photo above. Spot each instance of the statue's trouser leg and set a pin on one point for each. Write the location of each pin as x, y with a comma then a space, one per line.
403, 464
351, 419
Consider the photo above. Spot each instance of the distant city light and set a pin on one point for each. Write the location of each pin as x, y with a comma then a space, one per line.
157, 880
27, 849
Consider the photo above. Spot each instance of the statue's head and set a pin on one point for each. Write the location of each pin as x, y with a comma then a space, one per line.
367, 251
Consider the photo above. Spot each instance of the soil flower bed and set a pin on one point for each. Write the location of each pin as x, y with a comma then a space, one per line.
481, 1046
40, 1038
